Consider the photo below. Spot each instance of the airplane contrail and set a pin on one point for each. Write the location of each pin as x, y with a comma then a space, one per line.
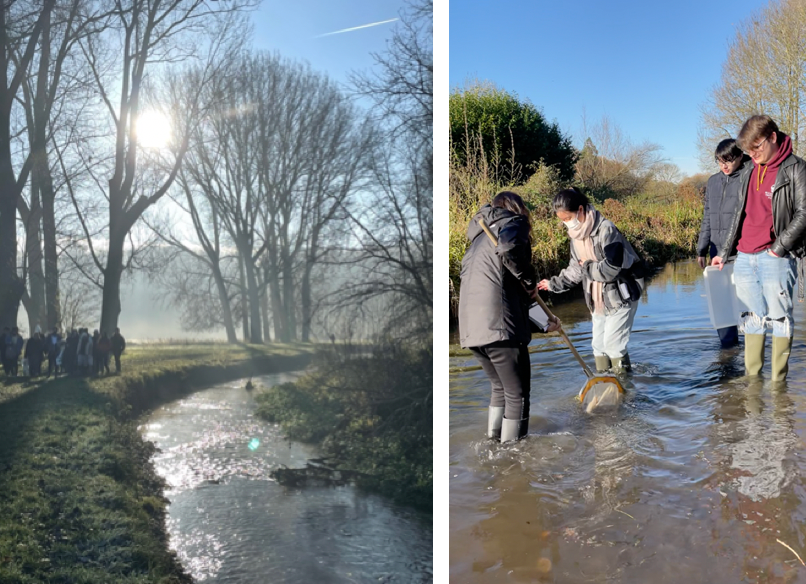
356, 27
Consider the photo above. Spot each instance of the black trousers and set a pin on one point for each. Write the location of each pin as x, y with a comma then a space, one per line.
509, 370
117, 362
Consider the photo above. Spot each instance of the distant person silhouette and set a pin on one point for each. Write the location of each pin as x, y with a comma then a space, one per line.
118, 346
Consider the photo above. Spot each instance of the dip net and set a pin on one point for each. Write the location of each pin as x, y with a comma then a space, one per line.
600, 393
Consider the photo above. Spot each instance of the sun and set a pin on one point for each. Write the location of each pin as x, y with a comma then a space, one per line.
153, 129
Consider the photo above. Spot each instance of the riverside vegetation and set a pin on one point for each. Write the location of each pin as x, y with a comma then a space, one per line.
659, 213
370, 410
79, 498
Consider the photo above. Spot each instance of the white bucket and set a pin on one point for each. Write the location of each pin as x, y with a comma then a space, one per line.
724, 305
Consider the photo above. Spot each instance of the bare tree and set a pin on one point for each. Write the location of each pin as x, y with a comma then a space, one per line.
395, 229
141, 36
611, 165
763, 72
20, 29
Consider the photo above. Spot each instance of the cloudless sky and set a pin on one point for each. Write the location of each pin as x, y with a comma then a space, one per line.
649, 66
292, 28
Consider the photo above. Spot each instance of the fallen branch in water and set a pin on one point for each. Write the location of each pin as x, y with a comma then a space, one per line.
627, 514
791, 550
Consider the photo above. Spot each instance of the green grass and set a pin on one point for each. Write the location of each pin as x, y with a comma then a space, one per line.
371, 412
79, 499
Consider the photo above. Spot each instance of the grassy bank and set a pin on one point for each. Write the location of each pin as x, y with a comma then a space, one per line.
79, 499
370, 412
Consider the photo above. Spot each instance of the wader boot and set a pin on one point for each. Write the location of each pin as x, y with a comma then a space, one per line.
754, 354
494, 419
602, 363
514, 429
780, 357
622, 364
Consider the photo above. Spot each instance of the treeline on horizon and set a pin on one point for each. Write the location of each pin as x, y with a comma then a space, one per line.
280, 202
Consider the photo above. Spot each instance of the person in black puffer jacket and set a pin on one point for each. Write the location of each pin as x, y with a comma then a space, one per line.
498, 284
721, 199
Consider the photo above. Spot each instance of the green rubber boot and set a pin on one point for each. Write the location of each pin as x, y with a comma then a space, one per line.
514, 429
780, 357
602, 363
494, 419
754, 354
621, 364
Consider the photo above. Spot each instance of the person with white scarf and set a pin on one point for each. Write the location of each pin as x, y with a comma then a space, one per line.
610, 271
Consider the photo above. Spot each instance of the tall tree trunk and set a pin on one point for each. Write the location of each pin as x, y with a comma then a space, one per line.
264, 309
288, 300
305, 293
33, 250
11, 287
226, 309
110, 311
254, 298
52, 299
277, 311
244, 303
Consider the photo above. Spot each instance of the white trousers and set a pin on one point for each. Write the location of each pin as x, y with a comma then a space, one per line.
611, 332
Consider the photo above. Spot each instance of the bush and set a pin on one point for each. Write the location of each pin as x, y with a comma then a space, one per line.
371, 411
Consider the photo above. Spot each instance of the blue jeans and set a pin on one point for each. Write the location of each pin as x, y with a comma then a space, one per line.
765, 284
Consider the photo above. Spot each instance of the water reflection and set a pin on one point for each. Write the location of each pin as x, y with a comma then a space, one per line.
696, 478
229, 522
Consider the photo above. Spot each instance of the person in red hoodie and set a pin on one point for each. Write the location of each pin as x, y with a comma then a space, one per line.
767, 231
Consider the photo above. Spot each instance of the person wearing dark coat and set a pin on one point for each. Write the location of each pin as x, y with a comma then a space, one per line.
12, 351
104, 348
498, 284
96, 355
35, 352
70, 354
118, 346
52, 348
721, 199
3, 335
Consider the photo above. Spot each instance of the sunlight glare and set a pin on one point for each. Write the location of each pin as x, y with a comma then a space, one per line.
153, 129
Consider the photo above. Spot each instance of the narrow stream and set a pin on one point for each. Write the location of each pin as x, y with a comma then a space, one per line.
699, 477
231, 523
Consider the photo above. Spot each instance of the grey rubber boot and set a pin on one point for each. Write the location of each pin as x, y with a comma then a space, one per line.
780, 357
514, 429
622, 364
754, 354
494, 419
602, 363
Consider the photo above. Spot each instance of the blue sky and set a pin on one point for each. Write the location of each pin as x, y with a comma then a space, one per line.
648, 66
292, 29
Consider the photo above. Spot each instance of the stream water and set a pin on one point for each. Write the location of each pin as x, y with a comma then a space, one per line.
231, 523
698, 477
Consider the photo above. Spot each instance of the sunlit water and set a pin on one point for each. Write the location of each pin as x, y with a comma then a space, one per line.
694, 479
231, 523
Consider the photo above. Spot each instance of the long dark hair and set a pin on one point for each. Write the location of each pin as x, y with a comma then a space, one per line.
513, 202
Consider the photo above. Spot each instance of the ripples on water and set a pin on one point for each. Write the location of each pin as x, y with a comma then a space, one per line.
230, 522
693, 479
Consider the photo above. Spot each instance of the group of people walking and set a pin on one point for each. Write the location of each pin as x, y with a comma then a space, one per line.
79, 353
755, 217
